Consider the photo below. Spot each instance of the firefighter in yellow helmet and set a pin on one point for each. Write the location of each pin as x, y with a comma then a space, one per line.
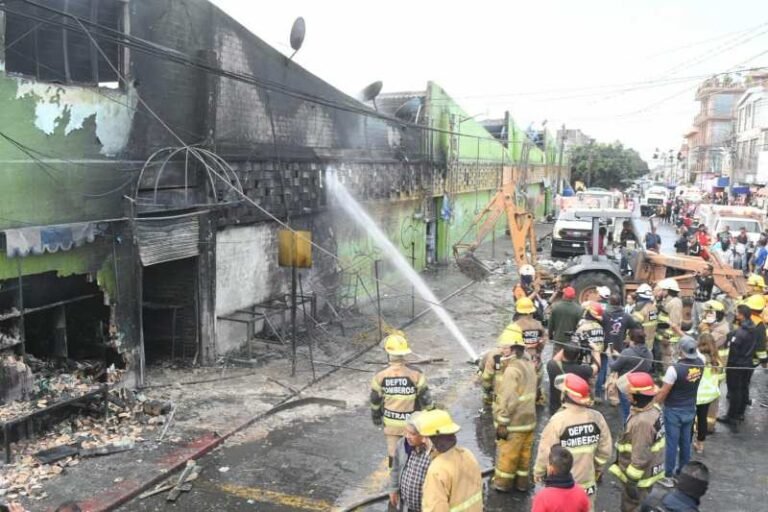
514, 412
756, 304
534, 336
756, 284
493, 365
453, 481
397, 391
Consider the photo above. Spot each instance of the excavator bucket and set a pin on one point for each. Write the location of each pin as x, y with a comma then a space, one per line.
472, 267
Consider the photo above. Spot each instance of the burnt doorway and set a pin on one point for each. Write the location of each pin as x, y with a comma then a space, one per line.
169, 311
430, 219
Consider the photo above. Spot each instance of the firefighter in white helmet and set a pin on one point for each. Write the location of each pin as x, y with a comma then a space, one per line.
646, 313
397, 391
669, 329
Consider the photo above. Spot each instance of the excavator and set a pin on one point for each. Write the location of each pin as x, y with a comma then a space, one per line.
506, 201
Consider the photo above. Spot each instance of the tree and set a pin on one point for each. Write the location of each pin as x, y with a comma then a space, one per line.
606, 165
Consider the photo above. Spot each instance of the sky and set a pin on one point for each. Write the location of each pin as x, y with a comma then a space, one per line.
624, 71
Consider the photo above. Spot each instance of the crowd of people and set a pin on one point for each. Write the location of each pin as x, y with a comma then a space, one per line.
664, 375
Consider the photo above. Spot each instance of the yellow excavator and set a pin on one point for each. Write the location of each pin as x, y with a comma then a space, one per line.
507, 201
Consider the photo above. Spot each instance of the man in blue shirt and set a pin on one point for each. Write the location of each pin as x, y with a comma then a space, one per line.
759, 259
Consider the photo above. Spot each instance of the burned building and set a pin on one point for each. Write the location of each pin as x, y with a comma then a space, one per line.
150, 150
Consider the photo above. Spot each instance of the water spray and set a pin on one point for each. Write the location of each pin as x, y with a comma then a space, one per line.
357, 213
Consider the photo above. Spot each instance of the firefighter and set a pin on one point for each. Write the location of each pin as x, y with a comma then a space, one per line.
528, 287
514, 413
589, 333
715, 323
669, 329
640, 450
493, 369
646, 314
755, 284
397, 391
535, 337
453, 480
757, 305
580, 429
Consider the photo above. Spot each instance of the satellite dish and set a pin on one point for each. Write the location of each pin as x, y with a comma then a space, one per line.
298, 31
373, 90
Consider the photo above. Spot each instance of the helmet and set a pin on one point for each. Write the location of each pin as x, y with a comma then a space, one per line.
574, 386
714, 305
669, 284
595, 309
604, 292
527, 270
435, 422
756, 280
511, 335
637, 383
756, 302
525, 306
396, 345
644, 291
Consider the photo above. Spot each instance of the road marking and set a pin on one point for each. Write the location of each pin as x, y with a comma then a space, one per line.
277, 498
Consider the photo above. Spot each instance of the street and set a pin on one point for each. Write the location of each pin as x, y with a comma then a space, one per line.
327, 458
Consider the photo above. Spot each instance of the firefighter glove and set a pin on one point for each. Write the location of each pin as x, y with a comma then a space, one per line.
632, 490
377, 420
502, 432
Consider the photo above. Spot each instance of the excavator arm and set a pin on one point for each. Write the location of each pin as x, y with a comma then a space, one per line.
519, 224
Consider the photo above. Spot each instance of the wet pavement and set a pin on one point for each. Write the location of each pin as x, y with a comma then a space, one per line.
324, 458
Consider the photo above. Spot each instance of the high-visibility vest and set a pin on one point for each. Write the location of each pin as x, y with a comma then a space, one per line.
709, 387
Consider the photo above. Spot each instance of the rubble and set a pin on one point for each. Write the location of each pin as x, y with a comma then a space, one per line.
38, 460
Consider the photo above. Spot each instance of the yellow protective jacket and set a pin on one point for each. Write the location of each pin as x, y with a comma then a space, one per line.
515, 404
453, 483
493, 370
585, 433
671, 314
640, 450
592, 332
648, 316
396, 392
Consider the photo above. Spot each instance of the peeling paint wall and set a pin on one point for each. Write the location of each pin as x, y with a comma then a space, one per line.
112, 111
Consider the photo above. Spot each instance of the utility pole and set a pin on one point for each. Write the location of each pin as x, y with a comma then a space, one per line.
589, 163
559, 187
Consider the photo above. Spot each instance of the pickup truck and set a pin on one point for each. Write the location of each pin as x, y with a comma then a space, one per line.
654, 197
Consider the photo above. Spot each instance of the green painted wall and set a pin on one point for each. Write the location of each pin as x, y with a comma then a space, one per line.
72, 134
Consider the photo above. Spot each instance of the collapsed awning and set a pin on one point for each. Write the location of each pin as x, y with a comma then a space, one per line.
41, 239
163, 239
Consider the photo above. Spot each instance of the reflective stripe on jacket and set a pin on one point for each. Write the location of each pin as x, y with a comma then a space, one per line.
640, 450
493, 370
585, 433
648, 316
453, 483
515, 404
396, 392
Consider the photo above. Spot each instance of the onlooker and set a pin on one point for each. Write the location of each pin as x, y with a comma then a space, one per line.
560, 493
565, 316
409, 467
681, 245
691, 485
616, 323
758, 261
635, 358
704, 284
652, 240
568, 360
678, 395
